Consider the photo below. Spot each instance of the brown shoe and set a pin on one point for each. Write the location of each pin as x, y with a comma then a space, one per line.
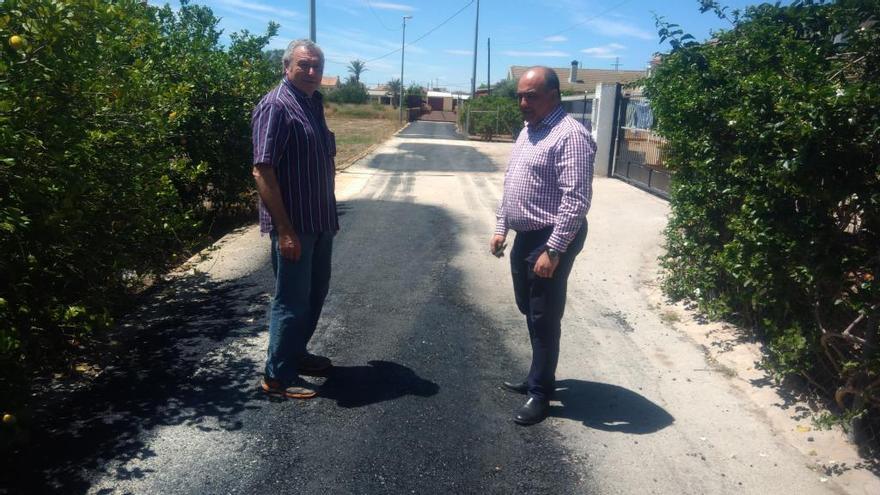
274, 387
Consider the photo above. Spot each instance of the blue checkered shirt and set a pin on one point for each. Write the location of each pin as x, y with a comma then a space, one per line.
549, 180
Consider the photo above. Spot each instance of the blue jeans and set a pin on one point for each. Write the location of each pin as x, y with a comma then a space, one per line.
542, 301
300, 290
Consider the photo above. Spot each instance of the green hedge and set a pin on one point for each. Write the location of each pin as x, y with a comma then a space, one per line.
773, 131
125, 134
352, 91
491, 115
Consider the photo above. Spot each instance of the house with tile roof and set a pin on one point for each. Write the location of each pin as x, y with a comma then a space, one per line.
329, 82
574, 80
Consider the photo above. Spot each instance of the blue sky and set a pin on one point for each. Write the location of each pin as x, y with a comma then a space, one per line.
545, 32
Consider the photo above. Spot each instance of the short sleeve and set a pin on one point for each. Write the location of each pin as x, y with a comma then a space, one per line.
270, 133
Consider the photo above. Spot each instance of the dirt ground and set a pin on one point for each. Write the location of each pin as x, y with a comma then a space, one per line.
357, 137
789, 411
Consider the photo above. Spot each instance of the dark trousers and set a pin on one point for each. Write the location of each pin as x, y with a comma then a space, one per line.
542, 301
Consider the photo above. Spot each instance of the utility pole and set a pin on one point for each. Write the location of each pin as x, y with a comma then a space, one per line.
616, 64
312, 21
402, 51
488, 66
474, 73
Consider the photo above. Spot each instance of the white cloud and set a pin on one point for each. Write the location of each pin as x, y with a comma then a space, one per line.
395, 45
392, 6
343, 8
610, 50
459, 52
618, 29
555, 39
550, 53
258, 7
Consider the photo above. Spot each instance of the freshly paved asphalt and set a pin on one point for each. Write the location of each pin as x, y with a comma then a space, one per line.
432, 130
412, 405
422, 327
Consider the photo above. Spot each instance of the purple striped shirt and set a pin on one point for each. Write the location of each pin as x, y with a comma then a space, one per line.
291, 134
549, 179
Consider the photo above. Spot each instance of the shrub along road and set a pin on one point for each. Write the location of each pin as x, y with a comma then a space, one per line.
422, 327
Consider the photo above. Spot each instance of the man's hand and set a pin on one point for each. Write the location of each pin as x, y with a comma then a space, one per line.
289, 245
545, 267
496, 245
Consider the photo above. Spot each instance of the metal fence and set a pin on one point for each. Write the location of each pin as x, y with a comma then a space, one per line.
639, 152
580, 108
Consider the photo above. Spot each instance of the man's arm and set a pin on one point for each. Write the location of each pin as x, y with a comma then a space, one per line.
575, 178
270, 136
497, 240
270, 193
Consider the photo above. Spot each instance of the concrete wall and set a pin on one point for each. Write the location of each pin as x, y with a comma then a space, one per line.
604, 126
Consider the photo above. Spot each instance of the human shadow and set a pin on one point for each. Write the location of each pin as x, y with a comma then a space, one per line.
170, 367
608, 407
357, 386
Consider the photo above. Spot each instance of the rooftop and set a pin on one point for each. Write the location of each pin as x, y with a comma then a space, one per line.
587, 79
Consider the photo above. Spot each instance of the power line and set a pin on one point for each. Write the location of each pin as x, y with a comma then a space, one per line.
379, 18
459, 11
569, 28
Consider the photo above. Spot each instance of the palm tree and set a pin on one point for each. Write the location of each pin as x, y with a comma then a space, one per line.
394, 87
357, 67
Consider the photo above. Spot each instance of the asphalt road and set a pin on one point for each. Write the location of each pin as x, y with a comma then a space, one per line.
432, 130
421, 325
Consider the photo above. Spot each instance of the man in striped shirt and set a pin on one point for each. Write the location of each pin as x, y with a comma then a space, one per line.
295, 174
547, 192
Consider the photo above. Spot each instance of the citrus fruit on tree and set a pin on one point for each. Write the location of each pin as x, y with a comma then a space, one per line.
16, 42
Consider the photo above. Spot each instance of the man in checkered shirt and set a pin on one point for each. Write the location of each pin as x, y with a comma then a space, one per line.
547, 192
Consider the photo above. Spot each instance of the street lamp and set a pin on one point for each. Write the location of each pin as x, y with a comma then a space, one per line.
402, 51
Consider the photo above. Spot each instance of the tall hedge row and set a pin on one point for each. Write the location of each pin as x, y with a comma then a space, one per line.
491, 115
124, 133
773, 131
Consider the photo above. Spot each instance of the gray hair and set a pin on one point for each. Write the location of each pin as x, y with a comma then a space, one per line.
301, 43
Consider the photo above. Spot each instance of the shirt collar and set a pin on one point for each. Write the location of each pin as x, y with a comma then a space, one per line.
300, 93
551, 119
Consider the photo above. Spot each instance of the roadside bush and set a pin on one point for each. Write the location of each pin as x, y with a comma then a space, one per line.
505, 88
773, 131
124, 132
491, 115
216, 89
352, 91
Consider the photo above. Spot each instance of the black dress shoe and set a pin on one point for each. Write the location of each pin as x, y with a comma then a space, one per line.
519, 388
534, 411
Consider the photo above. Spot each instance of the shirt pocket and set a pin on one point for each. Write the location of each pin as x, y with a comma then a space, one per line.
541, 167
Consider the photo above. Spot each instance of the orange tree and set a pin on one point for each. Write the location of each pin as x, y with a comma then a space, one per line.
124, 130
216, 89
773, 130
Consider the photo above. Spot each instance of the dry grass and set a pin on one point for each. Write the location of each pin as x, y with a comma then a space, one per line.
366, 111
355, 136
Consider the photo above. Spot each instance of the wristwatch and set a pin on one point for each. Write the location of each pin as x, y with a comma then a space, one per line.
552, 254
